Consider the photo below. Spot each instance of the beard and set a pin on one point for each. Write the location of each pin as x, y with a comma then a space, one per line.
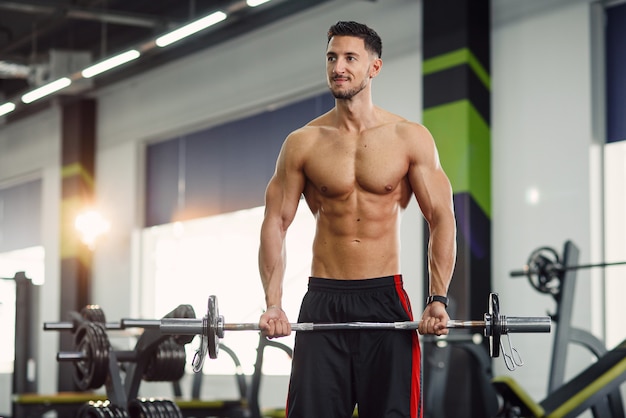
348, 94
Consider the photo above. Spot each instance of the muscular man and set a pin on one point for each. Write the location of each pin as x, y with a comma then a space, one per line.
357, 166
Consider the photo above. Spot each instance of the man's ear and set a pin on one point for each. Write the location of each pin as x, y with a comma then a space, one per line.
377, 64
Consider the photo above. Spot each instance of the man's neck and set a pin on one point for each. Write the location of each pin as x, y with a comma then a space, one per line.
356, 114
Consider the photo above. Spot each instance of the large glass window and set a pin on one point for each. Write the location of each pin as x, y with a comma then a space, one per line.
20, 250
615, 241
31, 262
615, 172
224, 168
616, 72
185, 262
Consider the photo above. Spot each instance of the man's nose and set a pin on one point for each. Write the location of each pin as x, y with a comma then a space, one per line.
339, 67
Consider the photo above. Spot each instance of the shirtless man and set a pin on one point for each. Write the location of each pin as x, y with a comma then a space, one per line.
357, 166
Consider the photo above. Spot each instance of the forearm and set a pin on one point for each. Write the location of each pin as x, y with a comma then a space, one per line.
272, 261
441, 255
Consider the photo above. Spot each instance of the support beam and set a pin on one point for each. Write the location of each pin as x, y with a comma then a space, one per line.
78, 161
457, 107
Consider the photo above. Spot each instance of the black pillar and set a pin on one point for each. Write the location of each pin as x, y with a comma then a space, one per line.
78, 156
27, 328
457, 106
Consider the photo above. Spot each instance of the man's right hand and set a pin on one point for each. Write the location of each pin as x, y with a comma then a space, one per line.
434, 320
274, 323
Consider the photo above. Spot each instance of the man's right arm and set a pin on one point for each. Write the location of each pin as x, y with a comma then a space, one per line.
281, 202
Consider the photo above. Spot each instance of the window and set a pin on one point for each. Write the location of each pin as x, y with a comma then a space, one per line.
615, 172
185, 262
31, 262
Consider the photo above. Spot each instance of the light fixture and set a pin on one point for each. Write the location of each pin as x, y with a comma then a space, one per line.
190, 29
110, 63
7, 108
46, 89
533, 196
255, 3
90, 224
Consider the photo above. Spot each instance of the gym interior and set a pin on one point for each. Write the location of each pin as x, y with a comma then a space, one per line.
172, 155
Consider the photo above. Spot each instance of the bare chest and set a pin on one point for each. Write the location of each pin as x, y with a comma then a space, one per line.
373, 163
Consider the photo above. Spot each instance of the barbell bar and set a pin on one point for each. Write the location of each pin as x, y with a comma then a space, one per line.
556, 267
212, 327
544, 269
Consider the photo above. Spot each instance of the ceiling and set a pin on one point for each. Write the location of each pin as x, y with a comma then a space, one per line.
39, 38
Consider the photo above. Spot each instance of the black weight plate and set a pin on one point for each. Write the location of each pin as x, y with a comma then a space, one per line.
134, 409
544, 270
496, 326
89, 410
103, 347
93, 313
151, 407
211, 330
173, 409
160, 407
91, 371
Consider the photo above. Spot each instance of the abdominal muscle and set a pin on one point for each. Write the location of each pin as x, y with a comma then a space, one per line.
352, 243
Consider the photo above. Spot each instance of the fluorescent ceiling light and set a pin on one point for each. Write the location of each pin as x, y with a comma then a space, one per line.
110, 63
190, 29
255, 3
47, 89
12, 70
7, 108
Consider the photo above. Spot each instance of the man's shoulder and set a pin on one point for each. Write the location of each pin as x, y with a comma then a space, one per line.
410, 127
305, 133
400, 122
312, 129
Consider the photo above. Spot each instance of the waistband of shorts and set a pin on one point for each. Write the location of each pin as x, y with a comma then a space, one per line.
318, 283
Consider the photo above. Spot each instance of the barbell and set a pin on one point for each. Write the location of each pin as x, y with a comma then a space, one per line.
212, 327
544, 269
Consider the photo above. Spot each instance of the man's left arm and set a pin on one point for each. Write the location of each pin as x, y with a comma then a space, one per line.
433, 192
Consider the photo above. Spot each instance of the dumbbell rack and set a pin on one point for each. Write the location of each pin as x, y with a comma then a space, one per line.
155, 357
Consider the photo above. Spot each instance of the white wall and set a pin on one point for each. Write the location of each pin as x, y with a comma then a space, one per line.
541, 137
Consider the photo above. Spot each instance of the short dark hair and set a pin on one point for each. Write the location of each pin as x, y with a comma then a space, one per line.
372, 41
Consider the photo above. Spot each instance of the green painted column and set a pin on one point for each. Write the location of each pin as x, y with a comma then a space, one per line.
78, 133
457, 107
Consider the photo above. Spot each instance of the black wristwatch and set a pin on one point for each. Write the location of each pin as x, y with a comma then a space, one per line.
437, 298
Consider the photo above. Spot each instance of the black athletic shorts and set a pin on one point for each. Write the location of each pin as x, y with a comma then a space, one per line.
335, 370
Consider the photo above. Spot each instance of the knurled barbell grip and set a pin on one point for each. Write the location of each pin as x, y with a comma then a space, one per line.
525, 324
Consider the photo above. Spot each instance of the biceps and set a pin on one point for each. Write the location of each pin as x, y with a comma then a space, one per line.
281, 200
433, 192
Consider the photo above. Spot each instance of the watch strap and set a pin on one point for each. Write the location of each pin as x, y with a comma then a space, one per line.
437, 298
